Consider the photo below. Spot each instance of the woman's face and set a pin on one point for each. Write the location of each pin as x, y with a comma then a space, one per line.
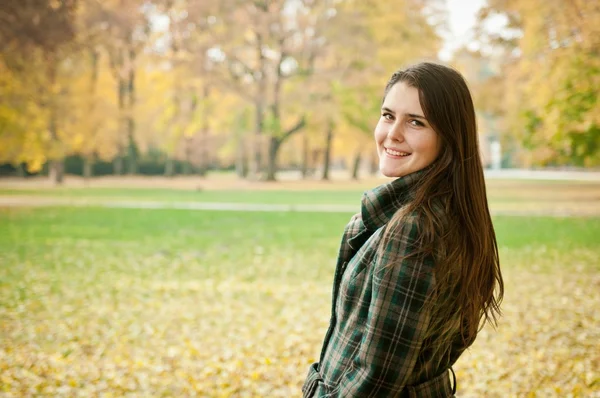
405, 141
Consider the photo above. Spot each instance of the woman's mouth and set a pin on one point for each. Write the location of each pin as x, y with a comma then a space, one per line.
394, 153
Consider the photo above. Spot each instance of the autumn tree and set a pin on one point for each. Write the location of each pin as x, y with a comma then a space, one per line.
267, 53
125, 32
192, 80
551, 77
186, 118
35, 39
365, 56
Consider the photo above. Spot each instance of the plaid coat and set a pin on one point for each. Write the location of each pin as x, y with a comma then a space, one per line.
377, 324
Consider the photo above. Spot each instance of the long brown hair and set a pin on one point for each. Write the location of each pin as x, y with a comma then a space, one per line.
450, 200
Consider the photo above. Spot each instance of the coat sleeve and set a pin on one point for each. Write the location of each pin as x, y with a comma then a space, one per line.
396, 320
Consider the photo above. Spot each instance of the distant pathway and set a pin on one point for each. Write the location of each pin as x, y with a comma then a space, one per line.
16, 201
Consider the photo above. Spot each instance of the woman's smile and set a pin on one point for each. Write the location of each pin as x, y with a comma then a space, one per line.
396, 154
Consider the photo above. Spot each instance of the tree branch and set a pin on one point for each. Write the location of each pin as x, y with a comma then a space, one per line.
299, 126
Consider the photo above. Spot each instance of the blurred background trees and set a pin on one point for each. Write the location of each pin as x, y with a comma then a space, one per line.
545, 82
183, 86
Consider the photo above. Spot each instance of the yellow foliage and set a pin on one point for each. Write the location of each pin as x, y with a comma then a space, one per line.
184, 97
552, 79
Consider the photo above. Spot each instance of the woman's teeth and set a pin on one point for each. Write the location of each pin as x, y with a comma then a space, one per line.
396, 153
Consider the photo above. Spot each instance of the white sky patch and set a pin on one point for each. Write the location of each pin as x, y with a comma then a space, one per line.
461, 20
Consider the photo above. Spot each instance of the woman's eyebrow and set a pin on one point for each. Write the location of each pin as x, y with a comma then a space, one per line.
415, 116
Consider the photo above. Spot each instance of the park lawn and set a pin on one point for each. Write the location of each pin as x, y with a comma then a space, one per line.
218, 304
298, 192
305, 197
504, 196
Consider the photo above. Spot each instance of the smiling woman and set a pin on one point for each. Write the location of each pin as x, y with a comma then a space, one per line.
418, 269
406, 142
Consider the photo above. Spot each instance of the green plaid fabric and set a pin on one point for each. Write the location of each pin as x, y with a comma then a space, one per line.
377, 326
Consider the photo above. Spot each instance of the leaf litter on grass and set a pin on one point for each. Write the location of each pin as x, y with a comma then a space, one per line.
231, 338
87, 318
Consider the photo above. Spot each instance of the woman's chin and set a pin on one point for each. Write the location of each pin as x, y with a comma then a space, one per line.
391, 173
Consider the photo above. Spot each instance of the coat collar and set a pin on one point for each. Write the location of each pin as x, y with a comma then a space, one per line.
380, 204
378, 207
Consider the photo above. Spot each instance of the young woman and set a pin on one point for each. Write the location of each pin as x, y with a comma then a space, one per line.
418, 272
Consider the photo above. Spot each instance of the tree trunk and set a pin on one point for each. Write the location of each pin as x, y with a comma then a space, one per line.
259, 105
187, 150
118, 165
56, 166
316, 154
20, 170
204, 153
169, 167
57, 171
305, 155
121, 94
256, 164
327, 153
187, 165
132, 150
132, 146
274, 145
88, 160
88, 169
356, 165
241, 161
118, 162
187, 168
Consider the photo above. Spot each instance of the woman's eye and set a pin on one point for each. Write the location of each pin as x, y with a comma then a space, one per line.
387, 116
416, 123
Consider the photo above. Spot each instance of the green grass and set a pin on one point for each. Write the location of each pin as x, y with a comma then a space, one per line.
226, 303
177, 229
222, 240
233, 236
561, 234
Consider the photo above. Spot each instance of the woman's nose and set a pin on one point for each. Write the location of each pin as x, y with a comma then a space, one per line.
395, 132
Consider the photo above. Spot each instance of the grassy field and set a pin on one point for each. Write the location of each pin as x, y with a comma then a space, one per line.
116, 302
505, 196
